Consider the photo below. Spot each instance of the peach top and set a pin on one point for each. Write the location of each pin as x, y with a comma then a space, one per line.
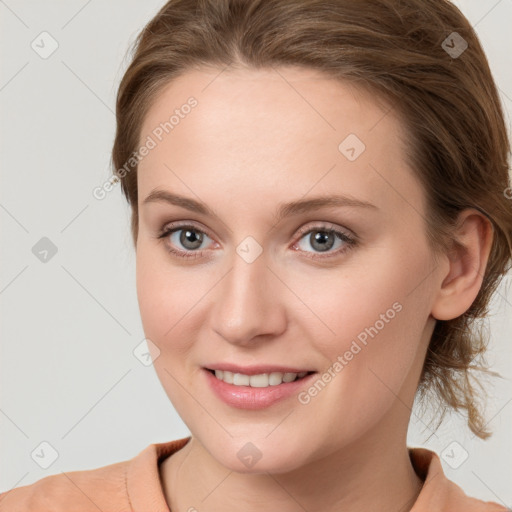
134, 486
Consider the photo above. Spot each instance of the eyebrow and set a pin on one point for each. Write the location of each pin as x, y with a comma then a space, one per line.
284, 210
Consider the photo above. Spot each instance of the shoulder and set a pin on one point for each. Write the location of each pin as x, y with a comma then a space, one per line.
80, 491
133, 484
456, 497
439, 492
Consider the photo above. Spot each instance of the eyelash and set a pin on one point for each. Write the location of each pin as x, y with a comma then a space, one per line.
349, 241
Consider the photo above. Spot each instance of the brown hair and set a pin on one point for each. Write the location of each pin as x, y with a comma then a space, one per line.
458, 144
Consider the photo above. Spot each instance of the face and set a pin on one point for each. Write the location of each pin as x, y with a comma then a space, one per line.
343, 289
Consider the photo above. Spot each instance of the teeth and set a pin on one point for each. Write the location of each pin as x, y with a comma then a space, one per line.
262, 380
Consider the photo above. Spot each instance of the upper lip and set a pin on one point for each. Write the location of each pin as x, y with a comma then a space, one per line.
256, 369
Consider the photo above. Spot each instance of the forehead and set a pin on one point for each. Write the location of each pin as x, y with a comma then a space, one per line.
272, 128
242, 98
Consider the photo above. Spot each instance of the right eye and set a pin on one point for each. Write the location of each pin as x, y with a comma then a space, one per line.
184, 235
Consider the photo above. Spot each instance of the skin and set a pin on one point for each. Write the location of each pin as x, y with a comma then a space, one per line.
256, 139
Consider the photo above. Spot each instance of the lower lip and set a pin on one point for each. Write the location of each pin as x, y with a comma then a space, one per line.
247, 397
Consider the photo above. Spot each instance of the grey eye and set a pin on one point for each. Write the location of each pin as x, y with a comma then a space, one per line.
320, 239
189, 238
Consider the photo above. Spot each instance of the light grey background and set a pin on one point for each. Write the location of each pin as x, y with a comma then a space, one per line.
69, 326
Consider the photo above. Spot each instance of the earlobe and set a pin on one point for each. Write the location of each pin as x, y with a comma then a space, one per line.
467, 261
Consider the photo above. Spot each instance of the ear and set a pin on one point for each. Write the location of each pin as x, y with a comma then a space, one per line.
466, 268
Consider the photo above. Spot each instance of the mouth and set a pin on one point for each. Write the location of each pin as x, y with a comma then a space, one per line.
260, 380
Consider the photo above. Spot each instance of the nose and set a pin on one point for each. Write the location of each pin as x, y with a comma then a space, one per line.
249, 303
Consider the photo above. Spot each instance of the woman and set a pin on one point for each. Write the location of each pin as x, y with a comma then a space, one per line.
320, 208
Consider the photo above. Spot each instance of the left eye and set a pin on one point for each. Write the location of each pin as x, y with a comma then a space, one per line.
323, 240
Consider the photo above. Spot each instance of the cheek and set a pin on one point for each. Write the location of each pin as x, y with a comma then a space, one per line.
373, 320
163, 296
171, 302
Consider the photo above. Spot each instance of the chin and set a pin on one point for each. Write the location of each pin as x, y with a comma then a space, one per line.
257, 456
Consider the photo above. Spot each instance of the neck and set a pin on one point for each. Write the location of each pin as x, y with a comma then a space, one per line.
372, 473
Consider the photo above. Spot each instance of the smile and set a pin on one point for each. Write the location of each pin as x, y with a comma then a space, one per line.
261, 380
